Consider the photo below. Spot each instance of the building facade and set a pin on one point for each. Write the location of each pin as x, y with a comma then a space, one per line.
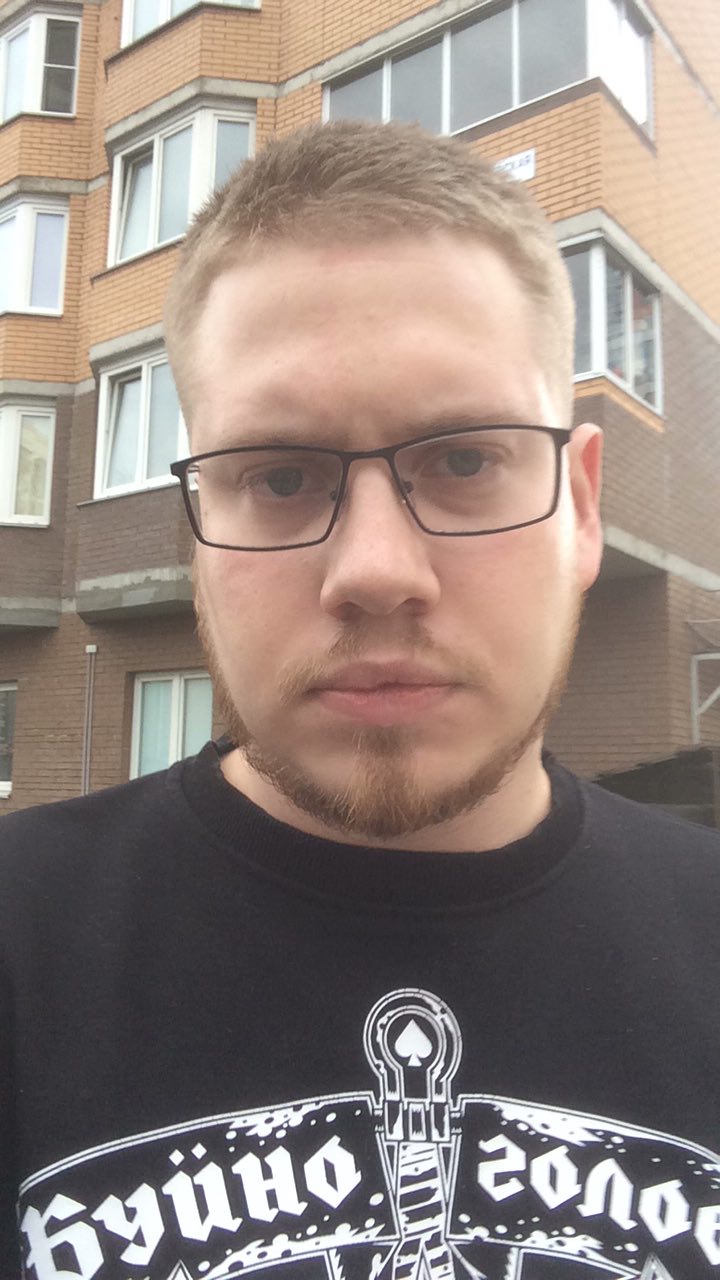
118, 117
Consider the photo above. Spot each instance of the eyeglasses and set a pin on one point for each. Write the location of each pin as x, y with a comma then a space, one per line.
277, 497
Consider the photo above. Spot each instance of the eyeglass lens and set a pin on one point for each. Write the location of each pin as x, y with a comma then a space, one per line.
470, 482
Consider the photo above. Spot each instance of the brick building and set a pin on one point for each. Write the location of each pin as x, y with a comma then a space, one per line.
118, 117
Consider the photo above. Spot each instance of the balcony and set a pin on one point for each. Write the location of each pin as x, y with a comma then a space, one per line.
133, 556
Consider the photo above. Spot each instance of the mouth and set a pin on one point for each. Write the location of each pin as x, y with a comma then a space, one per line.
384, 694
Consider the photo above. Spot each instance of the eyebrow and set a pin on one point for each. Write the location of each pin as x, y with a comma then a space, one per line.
439, 424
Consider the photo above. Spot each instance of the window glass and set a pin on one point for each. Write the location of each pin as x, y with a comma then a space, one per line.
124, 427
7, 733
232, 145
643, 342
197, 715
416, 87
634, 48
616, 329
155, 714
7, 261
47, 260
146, 15
60, 42
175, 184
552, 45
359, 99
179, 6
163, 426
16, 51
578, 265
137, 186
59, 74
481, 69
33, 459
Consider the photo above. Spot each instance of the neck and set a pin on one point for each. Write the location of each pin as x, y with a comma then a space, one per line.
510, 813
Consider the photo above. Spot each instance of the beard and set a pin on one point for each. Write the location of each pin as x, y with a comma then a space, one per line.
382, 797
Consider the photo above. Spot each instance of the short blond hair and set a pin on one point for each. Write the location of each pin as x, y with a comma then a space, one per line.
354, 182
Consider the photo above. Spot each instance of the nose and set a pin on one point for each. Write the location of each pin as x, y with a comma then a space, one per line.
378, 558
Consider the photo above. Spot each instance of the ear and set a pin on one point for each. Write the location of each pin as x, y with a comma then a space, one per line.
585, 473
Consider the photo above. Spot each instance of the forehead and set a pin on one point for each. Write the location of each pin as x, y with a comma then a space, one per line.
360, 344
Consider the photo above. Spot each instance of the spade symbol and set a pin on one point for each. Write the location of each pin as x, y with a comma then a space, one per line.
413, 1044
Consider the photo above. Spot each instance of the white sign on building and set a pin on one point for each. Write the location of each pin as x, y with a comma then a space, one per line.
520, 166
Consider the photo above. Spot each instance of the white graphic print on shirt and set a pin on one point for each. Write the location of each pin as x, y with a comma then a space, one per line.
407, 1183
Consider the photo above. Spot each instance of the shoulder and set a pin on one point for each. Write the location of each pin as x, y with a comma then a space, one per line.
51, 839
613, 817
666, 863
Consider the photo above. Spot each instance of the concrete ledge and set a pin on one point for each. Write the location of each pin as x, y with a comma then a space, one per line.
147, 593
26, 613
23, 389
209, 91
125, 345
32, 186
629, 556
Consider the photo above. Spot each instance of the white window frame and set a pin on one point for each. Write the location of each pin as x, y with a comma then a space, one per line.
179, 680
108, 379
11, 415
26, 211
445, 35
36, 26
8, 686
599, 250
126, 36
203, 121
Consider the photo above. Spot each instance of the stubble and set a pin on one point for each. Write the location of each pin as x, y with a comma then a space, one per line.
382, 797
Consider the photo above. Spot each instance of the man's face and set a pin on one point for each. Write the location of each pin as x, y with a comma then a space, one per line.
357, 347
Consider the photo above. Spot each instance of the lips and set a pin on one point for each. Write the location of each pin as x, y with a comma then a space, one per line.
372, 676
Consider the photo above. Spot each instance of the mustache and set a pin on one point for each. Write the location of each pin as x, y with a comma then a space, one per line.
363, 643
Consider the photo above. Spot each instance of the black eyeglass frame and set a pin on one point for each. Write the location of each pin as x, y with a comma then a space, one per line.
560, 438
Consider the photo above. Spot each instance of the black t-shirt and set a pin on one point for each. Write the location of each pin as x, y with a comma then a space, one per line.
228, 1046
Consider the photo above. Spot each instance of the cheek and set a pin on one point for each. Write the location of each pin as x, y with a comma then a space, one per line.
254, 605
514, 599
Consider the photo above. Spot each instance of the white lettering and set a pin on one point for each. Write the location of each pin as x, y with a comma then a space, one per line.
180, 1189
608, 1177
512, 1161
664, 1210
80, 1237
554, 1177
145, 1231
281, 1183
707, 1232
332, 1159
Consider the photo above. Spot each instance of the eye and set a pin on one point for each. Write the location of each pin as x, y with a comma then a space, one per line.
465, 462
284, 481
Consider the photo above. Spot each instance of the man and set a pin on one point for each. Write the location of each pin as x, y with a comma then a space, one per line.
370, 988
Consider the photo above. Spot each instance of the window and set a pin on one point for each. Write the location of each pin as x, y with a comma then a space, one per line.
159, 183
8, 693
27, 436
141, 16
511, 53
142, 429
477, 69
32, 257
172, 719
38, 66
617, 321
619, 44
482, 71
